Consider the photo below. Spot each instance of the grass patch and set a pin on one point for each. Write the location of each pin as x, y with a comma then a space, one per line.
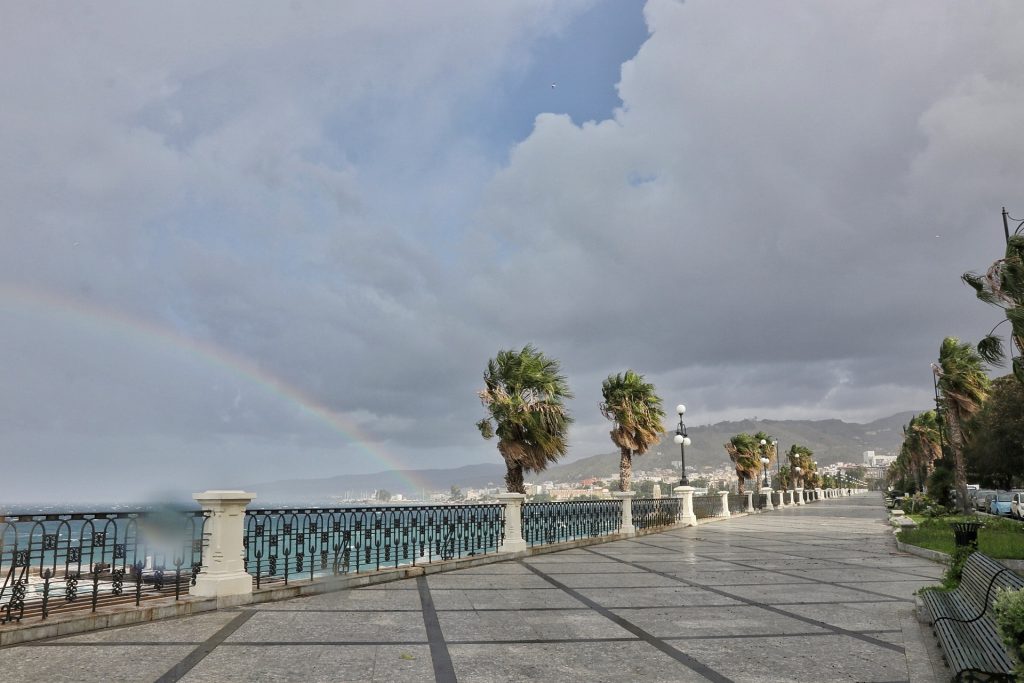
999, 538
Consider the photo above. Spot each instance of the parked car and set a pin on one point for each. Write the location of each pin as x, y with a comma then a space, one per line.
981, 499
1017, 505
999, 504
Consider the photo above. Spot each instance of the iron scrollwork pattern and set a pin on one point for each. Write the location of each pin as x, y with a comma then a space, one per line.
57, 563
654, 512
557, 522
293, 544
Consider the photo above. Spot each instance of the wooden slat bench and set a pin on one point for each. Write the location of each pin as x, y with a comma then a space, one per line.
962, 620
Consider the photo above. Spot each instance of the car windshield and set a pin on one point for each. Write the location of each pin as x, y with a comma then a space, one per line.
1004, 497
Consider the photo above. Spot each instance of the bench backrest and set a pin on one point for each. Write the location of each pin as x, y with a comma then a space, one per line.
981, 576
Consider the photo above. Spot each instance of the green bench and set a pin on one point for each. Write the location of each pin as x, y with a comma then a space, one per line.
962, 620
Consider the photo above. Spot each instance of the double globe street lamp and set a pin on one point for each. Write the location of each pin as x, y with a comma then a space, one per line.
683, 440
764, 463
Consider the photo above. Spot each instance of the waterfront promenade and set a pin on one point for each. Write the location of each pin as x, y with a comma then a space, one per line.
817, 592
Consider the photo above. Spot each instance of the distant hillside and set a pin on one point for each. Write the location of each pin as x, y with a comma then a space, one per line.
831, 440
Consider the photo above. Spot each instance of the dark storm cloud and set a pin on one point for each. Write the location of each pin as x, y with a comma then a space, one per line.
755, 229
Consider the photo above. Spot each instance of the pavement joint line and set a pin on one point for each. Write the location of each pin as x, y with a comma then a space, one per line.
803, 579
777, 610
444, 670
178, 671
659, 644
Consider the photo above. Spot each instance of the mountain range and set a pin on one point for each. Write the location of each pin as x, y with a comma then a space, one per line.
831, 440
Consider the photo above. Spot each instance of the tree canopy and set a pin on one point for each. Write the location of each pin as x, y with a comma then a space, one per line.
634, 408
524, 394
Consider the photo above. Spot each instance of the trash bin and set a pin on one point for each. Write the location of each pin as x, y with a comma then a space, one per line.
966, 533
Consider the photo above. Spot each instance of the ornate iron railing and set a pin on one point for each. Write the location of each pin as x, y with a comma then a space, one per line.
556, 522
760, 501
56, 563
306, 543
737, 503
654, 512
707, 506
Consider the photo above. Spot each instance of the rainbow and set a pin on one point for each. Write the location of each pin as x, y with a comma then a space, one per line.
89, 315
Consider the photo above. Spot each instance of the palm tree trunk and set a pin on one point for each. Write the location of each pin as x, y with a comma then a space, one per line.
625, 469
739, 486
514, 478
956, 442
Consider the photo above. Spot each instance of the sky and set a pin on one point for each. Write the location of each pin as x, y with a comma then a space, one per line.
254, 240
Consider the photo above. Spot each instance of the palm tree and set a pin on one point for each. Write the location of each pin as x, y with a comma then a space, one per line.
802, 457
745, 452
767, 450
964, 387
1002, 285
921, 447
635, 411
525, 395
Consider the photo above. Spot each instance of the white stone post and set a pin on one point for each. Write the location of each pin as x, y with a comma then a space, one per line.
799, 495
514, 541
725, 503
768, 498
626, 501
750, 501
686, 516
223, 574
818, 491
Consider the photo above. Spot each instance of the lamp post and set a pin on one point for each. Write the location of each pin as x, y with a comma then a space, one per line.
683, 440
798, 470
764, 462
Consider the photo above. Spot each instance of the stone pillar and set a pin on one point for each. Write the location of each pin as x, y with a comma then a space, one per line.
750, 501
818, 491
789, 495
514, 541
725, 503
768, 501
686, 515
626, 501
223, 574
799, 495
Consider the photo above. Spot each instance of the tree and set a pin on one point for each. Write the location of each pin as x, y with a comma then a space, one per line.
922, 446
525, 395
964, 387
767, 450
634, 408
802, 457
785, 478
1002, 286
745, 452
996, 453
383, 495
455, 493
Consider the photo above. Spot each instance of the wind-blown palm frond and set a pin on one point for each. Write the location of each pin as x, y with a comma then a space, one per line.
634, 408
743, 450
525, 395
1002, 286
964, 386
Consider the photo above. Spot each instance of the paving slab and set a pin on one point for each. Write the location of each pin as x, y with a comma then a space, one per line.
818, 592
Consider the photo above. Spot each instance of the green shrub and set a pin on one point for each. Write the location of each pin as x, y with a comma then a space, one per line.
957, 560
1009, 616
